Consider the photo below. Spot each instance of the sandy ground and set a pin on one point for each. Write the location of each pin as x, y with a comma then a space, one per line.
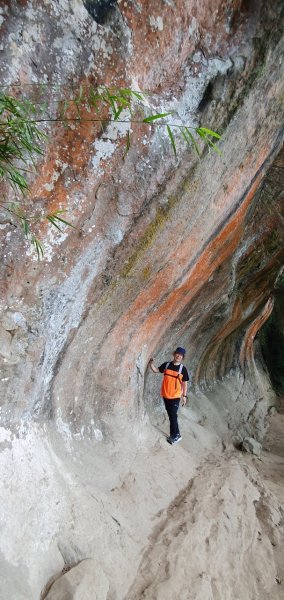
222, 536
148, 521
270, 467
271, 464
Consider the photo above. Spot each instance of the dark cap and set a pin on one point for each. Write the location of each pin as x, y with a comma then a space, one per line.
180, 351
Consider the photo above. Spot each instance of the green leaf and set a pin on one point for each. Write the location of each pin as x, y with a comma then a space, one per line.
109, 99
15, 177
94, 98
191, 140
155, 117
214, 147
200, 131
172, 139
26, 226
184, 136
118, 112
210, 132
137, 95
38, 246
127, 146
64, 105
52, 220
54, 217
20, 136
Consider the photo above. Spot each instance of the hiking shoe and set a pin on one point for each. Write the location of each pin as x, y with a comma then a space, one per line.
174, 440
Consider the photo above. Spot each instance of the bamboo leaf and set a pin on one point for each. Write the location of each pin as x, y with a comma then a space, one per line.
127, 146
55, 217
118, 112
52, 220
201, 132
65, 222
122, 100
172, 140
94, 98
155, 117
193, 141
210, 132
38, 247
184, 136
26, 226
20, 136
16, 178
212, 145
138, 95
108, 98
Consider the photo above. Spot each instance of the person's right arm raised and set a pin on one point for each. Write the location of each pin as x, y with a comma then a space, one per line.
152, 366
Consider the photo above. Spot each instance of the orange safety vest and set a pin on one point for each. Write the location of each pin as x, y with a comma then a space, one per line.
171, 386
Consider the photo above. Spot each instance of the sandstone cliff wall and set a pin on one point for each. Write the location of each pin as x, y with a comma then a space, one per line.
166, 251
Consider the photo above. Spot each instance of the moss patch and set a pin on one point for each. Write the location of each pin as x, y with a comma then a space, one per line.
162, 215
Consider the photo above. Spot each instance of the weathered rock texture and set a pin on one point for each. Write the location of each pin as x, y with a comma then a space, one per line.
166, 251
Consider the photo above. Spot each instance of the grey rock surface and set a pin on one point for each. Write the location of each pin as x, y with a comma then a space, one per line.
85, 581
253, 446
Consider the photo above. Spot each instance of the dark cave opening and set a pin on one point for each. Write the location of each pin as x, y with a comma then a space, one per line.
100, 10
271, 338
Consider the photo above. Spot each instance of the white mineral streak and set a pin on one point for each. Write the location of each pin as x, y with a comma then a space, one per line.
156, 23
104, 148
63, 313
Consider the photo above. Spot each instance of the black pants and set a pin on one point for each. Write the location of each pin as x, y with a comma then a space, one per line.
172, 407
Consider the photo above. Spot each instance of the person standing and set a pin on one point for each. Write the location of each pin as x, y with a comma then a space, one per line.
174, 389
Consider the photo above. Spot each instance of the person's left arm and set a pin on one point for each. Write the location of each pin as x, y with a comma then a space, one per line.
184, 392
184, 388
